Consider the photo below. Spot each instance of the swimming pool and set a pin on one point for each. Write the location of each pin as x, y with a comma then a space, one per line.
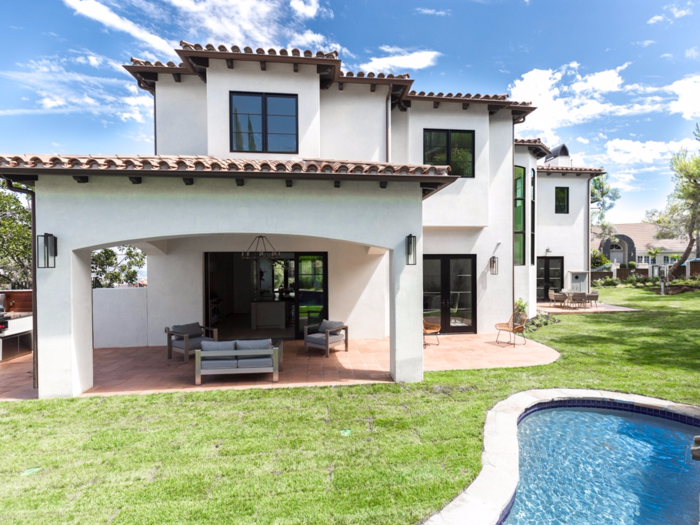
583, 465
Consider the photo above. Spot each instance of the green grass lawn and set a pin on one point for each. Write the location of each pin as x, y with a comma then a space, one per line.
278, 456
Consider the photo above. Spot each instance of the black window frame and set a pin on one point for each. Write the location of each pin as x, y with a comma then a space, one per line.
557, 209
448, 157
265, 133
516, 199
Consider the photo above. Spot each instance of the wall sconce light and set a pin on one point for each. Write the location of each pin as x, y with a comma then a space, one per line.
411, 249
46, 250
493, 265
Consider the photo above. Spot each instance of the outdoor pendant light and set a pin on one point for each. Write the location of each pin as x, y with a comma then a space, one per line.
46, 250
411, 249
261, 247
493, 265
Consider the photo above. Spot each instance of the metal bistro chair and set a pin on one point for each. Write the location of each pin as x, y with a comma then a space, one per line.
431, 329
515, 326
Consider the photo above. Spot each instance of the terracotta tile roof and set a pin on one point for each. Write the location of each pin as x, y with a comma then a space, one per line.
568, 169
502, 99
186, 46
536, 146
206, 163
432, 178
643, 235
371, 75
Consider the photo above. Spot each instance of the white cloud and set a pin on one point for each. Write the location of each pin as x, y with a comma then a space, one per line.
103, 14
634, 152
401, 61
687, 103
565, 98
305, 9
624, 181
644, 43
582, 140
692, 53
434, 12
667, 55
51, 102
676, 12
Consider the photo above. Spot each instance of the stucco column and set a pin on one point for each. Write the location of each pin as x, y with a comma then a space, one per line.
406, 315
64, 308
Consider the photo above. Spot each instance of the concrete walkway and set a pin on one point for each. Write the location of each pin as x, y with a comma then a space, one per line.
145, 370
600, 309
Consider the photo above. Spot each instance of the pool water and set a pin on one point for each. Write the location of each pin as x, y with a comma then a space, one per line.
590, 466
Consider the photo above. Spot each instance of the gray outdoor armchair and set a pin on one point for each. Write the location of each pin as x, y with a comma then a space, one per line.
327, 334
593, 298
186, 338
555, 298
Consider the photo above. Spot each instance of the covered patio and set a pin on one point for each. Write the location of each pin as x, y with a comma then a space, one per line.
146, 370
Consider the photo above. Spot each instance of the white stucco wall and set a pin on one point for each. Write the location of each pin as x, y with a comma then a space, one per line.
564, 234
181, 116
466, 201
526, 276
161, 209
353, 123
278, 78
120, 317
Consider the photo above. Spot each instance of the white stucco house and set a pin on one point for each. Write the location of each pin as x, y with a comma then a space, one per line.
341, 173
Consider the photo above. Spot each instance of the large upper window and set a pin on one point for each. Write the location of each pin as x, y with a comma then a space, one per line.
452, 147
533, 176
264, 122
519, 216
561, 200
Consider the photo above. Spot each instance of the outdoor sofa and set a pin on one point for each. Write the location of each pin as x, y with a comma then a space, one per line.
240, 356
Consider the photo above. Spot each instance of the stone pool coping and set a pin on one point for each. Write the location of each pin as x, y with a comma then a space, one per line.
489, 497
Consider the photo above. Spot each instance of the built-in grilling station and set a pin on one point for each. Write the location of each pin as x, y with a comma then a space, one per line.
15, 324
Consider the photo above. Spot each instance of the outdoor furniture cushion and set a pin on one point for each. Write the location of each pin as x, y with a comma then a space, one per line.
254, 344
191, 329
320, 338
209, 345
325, 325
254, 362
216, 364
195, 342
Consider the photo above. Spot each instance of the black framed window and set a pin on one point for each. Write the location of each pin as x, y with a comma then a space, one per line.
452, 147
533, 176
264, 122
519, 216
561, 200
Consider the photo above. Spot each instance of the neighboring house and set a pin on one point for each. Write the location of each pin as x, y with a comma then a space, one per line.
634, 241
345, 174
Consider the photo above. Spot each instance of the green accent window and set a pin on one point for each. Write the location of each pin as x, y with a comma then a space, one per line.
452, 147
561, 200
265, 123
519, 216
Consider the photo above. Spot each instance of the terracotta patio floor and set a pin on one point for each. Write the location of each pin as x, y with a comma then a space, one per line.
145, 370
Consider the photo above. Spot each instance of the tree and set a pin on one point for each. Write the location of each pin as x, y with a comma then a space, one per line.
15, 239
653, 253
598, 259
110, 267
604, 196
681, 218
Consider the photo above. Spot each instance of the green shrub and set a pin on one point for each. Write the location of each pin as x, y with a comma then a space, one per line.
610, 281
623, 265
540, 320
632, 279
631, 264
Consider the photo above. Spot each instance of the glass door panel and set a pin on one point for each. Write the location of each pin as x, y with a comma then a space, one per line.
461, 288
550, 276
311, 290
556, 274
432, 291
541, 293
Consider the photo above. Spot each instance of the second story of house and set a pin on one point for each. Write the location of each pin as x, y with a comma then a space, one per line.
285, 105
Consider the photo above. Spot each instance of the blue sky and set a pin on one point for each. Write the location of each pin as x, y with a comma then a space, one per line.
618, 81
